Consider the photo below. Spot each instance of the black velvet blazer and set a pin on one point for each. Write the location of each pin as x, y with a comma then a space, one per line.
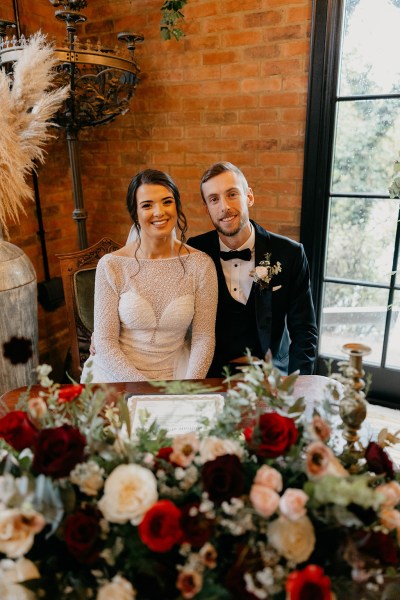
284, 310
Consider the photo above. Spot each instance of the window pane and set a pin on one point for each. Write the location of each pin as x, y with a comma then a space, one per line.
367, 143
371, 46
353, 313
393, 354
361, 239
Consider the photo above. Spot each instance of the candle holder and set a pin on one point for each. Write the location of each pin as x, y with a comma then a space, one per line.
353, 406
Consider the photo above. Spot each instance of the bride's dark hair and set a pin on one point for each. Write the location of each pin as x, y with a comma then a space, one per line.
155, 177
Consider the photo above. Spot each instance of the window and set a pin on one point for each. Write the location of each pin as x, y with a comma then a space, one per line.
350, 226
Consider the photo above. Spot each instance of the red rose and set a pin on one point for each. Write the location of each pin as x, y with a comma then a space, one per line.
311, 582
17, 430
273, 435
197, 529
223, 478
377, 460
160, 527
69, 393
82, 535
58, 450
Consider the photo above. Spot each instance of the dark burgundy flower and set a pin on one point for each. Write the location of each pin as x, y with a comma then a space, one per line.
377, 460
164, 453
160, 527
17, 430
197, 529
18, 350
308, 584
58, 450
273, 435
69, 393
82, 534
223, 478
381, 547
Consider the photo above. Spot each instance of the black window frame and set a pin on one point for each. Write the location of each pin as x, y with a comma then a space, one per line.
325, 40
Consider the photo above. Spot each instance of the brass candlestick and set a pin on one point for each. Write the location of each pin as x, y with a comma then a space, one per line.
353, 406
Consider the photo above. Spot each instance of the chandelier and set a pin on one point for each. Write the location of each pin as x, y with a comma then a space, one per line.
102, 81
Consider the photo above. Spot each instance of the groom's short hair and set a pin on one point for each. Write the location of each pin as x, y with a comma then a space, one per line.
217, 169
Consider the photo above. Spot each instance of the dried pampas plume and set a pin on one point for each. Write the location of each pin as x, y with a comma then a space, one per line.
27, 103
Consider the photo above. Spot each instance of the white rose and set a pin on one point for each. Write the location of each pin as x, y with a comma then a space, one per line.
129, 491
295, 540
261, 272
13, 572
17, 531
212, 447
117, 589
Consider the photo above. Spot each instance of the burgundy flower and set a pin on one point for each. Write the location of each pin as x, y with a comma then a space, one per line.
58, 450
308, 584
69, 393
164, 453
223, 478
160, 527
18, 350
273, 436
17, 430
379, 546
377, 460
82, 534
197, 529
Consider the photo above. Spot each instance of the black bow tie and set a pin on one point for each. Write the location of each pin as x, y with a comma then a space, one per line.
243, 254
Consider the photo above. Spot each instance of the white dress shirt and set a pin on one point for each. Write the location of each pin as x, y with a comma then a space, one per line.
237, 271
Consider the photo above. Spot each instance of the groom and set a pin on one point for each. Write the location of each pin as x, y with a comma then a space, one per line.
275, 313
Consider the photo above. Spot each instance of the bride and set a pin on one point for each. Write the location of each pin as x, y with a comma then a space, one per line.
153, 294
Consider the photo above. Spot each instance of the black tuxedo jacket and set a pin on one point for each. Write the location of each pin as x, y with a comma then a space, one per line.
284, 310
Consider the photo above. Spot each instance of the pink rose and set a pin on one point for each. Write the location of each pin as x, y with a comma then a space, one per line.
391, 493
292, 504
264, 500
269, 477
390, 518
321, 428
184, 448
321, 461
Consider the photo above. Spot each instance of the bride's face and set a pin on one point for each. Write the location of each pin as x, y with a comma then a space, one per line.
156, 210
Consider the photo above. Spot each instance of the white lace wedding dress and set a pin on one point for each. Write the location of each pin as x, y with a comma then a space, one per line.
144, 311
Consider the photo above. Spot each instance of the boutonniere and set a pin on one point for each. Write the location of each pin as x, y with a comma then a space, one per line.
264, 272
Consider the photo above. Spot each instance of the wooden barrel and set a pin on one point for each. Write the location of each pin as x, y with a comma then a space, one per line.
18, 314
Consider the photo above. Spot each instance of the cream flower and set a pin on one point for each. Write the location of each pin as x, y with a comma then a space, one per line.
184, 448
295, 540
269, 477
292, 504
129, 491
88, 477
14, 572
264, 499
391, 494
390, 518
37, 407
212, 447
189, 583
321, 461
17, 531
117, 589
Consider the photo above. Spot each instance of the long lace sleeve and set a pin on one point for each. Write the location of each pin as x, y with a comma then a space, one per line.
203, 325
109, 355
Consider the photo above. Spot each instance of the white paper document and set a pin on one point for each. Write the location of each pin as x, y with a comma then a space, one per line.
177, 414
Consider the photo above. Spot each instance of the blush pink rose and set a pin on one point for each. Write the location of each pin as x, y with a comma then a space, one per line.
391, 493
293, 504
269, 477
264, 500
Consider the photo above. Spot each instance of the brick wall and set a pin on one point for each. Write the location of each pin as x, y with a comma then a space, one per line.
234, 88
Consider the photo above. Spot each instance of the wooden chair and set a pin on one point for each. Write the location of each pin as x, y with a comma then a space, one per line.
78, 270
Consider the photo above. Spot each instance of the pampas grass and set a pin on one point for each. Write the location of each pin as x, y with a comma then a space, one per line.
27, 103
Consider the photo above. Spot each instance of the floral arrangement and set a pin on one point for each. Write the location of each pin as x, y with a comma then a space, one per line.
256, 505
27, 105
263, 273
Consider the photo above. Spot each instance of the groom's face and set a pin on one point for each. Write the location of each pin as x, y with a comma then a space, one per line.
227, 199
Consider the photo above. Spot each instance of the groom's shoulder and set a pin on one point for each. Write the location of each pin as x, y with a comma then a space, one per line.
204, 240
